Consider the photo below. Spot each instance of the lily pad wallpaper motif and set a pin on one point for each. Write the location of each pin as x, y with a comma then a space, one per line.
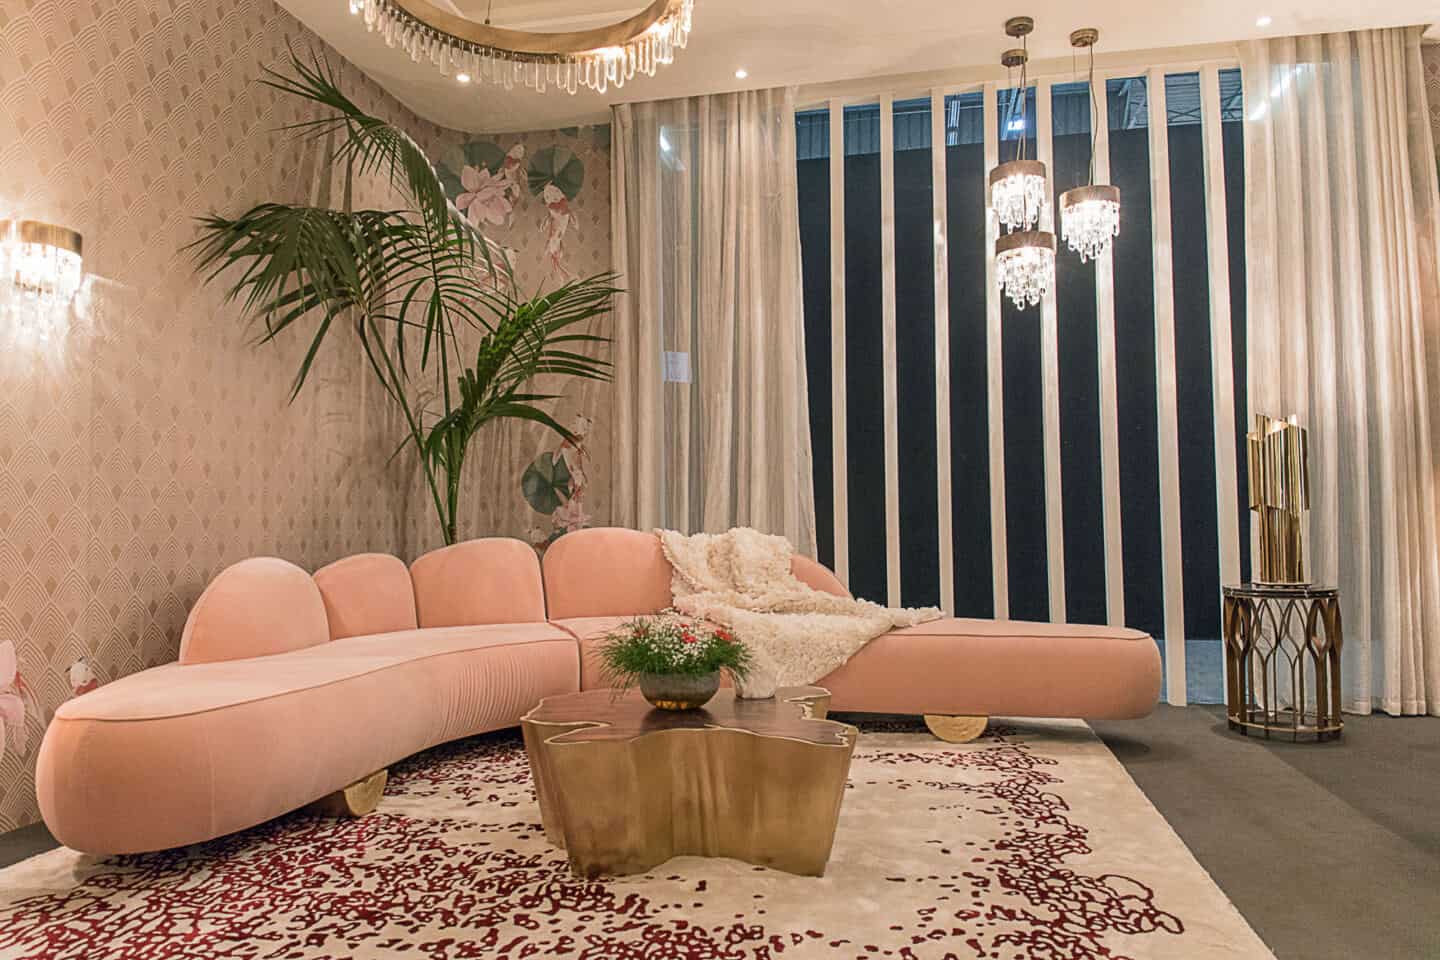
555, 484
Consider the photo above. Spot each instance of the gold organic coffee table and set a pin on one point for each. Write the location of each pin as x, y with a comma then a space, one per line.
624, 787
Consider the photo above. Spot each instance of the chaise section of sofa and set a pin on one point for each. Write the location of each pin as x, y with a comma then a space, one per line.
596, 579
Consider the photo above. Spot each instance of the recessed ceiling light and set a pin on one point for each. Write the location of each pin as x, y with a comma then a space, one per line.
462, 78
741, 74
1263, 21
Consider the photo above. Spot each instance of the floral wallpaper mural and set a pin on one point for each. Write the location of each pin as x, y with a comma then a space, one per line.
490, 182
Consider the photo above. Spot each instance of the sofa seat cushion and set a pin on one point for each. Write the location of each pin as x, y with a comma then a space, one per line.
588, 633
1002, 668
182, 754
175, 689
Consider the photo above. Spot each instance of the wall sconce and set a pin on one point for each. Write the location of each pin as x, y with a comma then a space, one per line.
42, 262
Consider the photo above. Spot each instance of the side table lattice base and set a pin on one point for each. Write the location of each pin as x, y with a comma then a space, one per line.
1282, 661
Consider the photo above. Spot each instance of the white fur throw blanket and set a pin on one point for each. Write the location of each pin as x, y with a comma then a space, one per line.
741, 580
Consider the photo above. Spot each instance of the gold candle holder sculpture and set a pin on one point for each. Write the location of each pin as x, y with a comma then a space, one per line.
1279, 494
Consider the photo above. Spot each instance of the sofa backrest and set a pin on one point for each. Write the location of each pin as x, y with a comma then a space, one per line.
367, 593
255, 608
606, 572
491, 580
614, 572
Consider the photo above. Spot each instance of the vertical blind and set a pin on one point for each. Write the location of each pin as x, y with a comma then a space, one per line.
1074, 461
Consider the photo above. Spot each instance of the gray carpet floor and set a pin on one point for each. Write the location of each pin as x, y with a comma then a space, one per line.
1329, 850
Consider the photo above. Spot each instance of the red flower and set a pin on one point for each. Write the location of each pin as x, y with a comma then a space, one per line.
689, 637
723, 636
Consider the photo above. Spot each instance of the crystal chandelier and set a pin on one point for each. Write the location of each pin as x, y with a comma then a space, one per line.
1090, 215
1025, 266
1020, 201
598, 58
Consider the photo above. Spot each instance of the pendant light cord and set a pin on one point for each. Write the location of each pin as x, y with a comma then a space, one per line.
1024, 96
489, 7
1094, 117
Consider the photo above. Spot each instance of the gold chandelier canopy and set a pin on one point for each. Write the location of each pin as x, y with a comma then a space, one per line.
597, 58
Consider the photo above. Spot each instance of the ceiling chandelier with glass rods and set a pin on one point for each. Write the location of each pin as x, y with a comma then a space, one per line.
598, 58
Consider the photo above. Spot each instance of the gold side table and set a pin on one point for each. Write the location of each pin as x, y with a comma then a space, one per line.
1282, 660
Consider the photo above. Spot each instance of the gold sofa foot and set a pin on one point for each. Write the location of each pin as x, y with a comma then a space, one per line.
356, 800
956, 729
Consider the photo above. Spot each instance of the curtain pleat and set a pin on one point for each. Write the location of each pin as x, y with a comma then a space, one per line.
1344, 330
706, 233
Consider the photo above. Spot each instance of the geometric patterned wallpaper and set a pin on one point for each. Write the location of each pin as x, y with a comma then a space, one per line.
154, 444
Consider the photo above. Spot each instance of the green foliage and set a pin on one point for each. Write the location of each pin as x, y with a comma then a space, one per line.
670, 644
407, 282
546, 483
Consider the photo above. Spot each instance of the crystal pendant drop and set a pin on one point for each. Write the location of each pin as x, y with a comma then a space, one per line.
1090, 219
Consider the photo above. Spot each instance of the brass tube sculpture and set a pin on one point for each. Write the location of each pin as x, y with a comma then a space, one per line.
1279, 494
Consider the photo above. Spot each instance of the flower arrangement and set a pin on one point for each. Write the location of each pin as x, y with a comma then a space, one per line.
675, 662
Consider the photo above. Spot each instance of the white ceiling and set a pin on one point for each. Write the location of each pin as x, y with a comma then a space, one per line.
781, 42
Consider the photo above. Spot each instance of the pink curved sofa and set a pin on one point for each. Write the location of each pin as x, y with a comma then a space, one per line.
290, 686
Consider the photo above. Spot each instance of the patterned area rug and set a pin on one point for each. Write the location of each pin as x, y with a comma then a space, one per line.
1029, 843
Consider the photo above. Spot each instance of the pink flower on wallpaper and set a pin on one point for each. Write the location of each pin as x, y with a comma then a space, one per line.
12, 703
571, 515
82, 678
486, 198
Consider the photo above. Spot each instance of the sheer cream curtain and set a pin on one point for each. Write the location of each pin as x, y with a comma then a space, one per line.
711, 413
1344, 329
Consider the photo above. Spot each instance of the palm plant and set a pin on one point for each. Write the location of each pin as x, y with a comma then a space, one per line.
530, 339
407, 281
